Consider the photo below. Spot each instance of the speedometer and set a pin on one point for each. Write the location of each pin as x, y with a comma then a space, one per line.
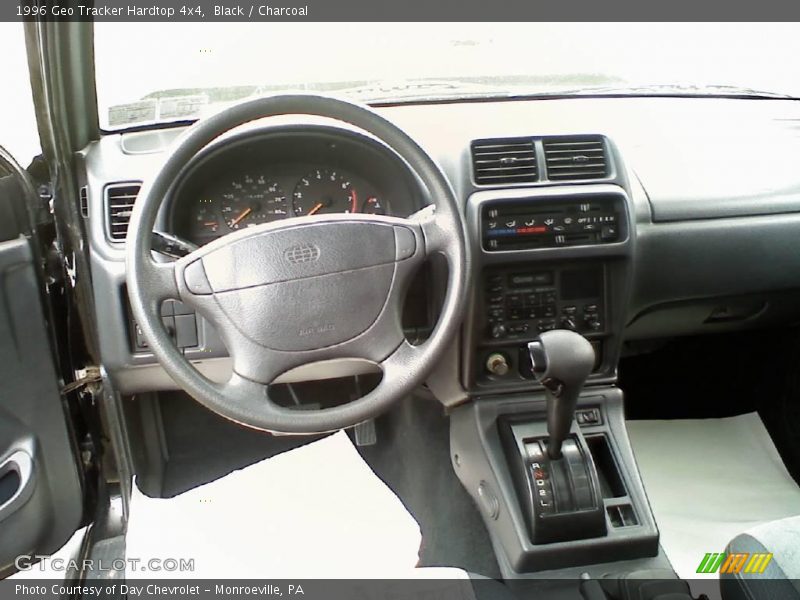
324, 191
251, 200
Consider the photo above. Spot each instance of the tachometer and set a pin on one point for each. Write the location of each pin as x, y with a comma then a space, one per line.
251, 200
324, 191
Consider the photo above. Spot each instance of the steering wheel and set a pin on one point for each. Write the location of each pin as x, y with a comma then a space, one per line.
302, 291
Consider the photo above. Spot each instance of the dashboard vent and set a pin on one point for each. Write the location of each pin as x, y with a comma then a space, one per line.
119, 206
500, 161
575, 158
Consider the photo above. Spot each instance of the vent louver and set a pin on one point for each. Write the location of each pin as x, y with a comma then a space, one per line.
499, 161
575, 158
119, 206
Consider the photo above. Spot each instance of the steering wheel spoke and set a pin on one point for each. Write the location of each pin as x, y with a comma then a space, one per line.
435, 229
160, 279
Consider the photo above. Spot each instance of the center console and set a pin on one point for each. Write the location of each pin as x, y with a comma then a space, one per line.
546, 259
542, 446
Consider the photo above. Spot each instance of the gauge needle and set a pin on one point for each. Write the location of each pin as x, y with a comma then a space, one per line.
316, 208
245, 212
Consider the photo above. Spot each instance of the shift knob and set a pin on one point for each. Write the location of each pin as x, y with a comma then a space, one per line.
561, 361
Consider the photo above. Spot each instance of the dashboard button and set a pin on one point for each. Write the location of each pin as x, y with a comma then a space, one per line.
185, 331
514, 300
139, 341
608, 232
547, 325
498, 331
496, 313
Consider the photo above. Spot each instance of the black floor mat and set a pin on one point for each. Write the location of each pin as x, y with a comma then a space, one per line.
413, 458
721, 376
694, 377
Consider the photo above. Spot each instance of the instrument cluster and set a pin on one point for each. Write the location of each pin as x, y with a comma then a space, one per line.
281, 177
253, 197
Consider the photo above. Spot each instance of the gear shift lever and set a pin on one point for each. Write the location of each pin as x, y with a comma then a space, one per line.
562, 361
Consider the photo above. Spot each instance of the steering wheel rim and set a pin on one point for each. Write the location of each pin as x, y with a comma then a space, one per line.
244, 398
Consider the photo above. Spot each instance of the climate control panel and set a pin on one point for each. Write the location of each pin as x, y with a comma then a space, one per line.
524, 224
521, 303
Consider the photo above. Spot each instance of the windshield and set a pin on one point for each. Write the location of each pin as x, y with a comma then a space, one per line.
160, 72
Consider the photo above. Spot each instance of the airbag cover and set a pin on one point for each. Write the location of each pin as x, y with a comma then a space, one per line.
310, 313
299, 252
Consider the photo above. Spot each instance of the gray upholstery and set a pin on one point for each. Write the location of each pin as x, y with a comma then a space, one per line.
781, 579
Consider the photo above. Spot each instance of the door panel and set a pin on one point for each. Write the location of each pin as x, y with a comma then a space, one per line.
40, 490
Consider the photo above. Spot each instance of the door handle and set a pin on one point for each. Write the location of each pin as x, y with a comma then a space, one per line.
16, 472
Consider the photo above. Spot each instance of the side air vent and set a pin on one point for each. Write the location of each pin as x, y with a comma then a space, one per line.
575, 158
502, 161
119, 206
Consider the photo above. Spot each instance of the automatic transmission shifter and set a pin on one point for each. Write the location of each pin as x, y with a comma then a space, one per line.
552, 466
562, 361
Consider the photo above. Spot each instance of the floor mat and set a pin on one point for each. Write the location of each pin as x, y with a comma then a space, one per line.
413, 457
709, 480
315, 511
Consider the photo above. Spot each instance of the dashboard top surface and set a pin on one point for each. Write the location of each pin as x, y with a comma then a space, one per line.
696, 157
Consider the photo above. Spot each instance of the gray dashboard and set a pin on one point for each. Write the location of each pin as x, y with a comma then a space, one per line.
712, 189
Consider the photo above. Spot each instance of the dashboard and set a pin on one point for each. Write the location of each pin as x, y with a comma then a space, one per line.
676, 235
261, 178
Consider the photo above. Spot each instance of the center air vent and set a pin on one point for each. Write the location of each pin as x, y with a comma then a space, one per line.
119, 206
574, 158
511, 160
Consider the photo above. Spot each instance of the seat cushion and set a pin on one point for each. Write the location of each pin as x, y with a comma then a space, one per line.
781, 577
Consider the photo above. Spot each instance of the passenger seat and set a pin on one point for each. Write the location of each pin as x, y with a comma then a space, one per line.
781, 578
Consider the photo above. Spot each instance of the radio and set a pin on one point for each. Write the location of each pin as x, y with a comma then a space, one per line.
525, 223
519, 304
